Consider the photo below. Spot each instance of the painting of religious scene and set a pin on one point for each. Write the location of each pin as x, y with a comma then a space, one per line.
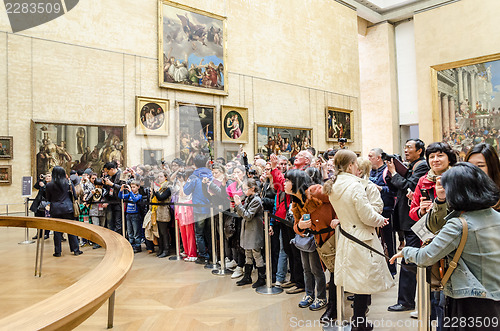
234, 122
76, 146
196, 131
6, 147
192, 49
339, 124
469, 104
151, 116
5, 174
287, 141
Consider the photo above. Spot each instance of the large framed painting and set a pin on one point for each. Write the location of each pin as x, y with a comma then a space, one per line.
152, 156
76, 146
6, 147
284, 140
5, 174
196, 131
192, 49
339, 124
466, 102
151, 116
234, 122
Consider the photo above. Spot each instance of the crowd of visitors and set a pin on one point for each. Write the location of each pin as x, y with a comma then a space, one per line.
310, 197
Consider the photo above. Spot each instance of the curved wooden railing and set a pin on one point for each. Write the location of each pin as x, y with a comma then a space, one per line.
73, 305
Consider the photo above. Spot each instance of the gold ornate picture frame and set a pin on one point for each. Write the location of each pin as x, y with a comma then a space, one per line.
152, 116
339, 124
284, 140
192, 49
6, 147
234, 125
5, 174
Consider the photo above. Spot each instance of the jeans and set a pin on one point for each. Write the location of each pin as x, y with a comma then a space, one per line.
134, 229
202, 234
114, 218
313, 274
282, 262
438, 303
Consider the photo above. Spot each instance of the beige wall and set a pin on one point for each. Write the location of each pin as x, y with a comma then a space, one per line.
378, 90
287, 61
458, 31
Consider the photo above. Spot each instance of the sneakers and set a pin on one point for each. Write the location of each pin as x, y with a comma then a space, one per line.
278, 284
318, 304
414, 314
306, 301
238, 272
294, 290
190, 259
231, 264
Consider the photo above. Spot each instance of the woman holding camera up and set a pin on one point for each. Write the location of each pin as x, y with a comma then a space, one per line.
60, 194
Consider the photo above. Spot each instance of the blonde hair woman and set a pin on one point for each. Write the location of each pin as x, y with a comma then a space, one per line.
357, 269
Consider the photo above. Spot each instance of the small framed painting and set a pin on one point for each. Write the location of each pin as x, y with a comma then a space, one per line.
234, 122
5, 174
152, 156
151, 116
6, 147
339, 124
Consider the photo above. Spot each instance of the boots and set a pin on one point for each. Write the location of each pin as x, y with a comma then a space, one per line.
330, 313
247, 277
262, 278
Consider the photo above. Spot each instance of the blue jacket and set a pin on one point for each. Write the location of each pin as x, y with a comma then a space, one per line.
132, 200
388, 196
194, 187
478, 272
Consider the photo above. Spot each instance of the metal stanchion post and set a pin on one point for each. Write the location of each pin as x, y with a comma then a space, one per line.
213, 265
268, 288
26, 238
122, 204
111, 310
177, 243
339, 323
41, 235
223, 271
423, 300
39, 231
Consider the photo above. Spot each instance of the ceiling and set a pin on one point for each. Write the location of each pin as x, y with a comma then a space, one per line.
376, 11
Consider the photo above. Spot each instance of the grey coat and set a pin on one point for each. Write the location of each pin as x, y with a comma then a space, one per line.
252, 229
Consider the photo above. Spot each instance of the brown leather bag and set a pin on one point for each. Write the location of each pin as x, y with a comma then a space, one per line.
439, 277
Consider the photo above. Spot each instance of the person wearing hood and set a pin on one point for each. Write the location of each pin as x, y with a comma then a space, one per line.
357, 269
194, 186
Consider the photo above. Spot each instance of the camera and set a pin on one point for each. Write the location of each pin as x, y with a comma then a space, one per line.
389, 157
252, 172
42, 177
342, 140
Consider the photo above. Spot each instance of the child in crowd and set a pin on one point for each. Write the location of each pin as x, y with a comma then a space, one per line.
130, 193
252, 232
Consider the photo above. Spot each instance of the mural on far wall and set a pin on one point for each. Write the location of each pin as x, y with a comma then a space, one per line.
76, 147
192, 49
469, 104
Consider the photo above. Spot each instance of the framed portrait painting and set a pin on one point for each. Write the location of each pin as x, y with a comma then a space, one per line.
5, 174
196, 131
466, 106
339, 124
152, 156
287, 141
151, 116
192, 49
6, 147
76, 146
230, 154
234, 122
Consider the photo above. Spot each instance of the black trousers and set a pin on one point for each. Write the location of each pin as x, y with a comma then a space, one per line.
389, 237
275, 248
407, 276
73, 240
294, 259
360, 307
164, 240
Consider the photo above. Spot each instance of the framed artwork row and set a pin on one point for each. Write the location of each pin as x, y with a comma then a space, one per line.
76, 146
192, 49
466, 102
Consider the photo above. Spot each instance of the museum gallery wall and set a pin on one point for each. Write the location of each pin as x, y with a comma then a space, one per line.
78, 85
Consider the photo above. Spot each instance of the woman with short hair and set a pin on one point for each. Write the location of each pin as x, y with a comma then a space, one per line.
473, 290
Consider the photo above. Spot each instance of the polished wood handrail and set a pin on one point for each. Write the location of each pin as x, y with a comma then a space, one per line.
73, 305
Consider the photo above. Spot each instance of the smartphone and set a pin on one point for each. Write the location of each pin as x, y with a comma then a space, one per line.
306, 217
425, 193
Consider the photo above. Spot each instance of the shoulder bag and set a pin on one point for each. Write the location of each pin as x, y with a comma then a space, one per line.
305, 244
76, 206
